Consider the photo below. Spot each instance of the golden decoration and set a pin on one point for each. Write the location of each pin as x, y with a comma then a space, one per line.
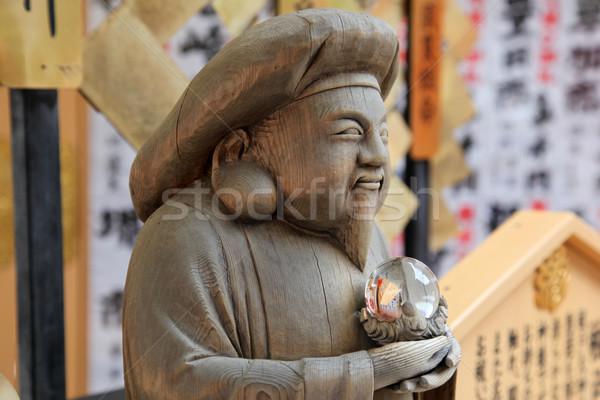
551, 280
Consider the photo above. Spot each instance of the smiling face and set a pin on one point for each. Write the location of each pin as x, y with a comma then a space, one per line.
329, 153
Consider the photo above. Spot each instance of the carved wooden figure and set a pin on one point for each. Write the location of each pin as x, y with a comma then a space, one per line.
258, 194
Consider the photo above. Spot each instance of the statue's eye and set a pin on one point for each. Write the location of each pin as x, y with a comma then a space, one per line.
348, 128
350, 132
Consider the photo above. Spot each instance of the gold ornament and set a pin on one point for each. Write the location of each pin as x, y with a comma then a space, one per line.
552, 279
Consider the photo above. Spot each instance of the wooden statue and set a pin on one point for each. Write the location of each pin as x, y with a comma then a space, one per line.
258, 194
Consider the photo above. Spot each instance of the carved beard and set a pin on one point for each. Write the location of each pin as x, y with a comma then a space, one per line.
355, 240
354, 236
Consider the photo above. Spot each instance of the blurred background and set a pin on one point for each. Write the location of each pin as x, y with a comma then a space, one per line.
519, 112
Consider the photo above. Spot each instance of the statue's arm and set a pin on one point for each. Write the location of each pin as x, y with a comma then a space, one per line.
220, 377
181, 338
349, 376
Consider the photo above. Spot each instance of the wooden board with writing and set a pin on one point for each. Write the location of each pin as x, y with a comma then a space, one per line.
425, 55
40, 44
515, 345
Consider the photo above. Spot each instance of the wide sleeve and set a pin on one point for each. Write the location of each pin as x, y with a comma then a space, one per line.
180, 338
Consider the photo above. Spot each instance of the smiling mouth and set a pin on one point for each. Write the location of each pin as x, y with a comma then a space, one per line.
369, 182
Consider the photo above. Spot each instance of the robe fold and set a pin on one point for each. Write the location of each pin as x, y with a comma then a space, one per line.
218, 309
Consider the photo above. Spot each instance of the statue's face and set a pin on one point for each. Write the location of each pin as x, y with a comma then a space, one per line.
329, 152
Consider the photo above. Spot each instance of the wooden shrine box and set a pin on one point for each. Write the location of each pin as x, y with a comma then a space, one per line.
525, 307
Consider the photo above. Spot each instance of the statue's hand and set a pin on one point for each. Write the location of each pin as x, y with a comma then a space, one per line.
411, 325
440, 375
405, 363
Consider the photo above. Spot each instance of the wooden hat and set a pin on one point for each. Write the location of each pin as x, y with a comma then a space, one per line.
266, 68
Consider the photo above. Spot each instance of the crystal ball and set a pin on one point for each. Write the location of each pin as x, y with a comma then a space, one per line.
397, 281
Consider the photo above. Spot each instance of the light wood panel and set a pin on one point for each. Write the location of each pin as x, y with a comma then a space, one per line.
511, 346
74, 142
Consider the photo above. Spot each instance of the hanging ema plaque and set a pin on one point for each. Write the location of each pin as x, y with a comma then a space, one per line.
524, 307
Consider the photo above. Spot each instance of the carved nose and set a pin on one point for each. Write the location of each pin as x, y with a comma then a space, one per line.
372, 151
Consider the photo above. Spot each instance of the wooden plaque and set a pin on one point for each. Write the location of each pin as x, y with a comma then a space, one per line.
40, 44
525, 310
425, 56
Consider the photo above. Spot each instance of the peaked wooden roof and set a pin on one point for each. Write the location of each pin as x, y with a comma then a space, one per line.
478, 284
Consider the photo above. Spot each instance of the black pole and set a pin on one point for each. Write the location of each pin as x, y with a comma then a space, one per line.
416, 236
38, 232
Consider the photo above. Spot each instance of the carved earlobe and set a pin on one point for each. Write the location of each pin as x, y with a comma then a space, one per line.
245, 188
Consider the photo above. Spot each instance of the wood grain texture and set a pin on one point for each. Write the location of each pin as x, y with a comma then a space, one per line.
217, 309
265, 68
218, 305
484, 301
538, 233
232, 326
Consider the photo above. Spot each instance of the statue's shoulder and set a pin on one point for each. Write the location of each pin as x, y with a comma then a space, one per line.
173, 219
184, 229
189, 211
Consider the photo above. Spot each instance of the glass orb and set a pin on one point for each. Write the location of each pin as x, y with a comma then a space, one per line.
397, 281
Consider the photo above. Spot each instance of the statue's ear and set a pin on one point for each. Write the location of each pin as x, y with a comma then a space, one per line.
244, 187
232, 148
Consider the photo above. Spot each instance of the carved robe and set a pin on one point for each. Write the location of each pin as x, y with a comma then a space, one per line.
217, 309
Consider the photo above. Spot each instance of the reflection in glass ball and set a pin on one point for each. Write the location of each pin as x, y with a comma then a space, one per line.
397, 281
